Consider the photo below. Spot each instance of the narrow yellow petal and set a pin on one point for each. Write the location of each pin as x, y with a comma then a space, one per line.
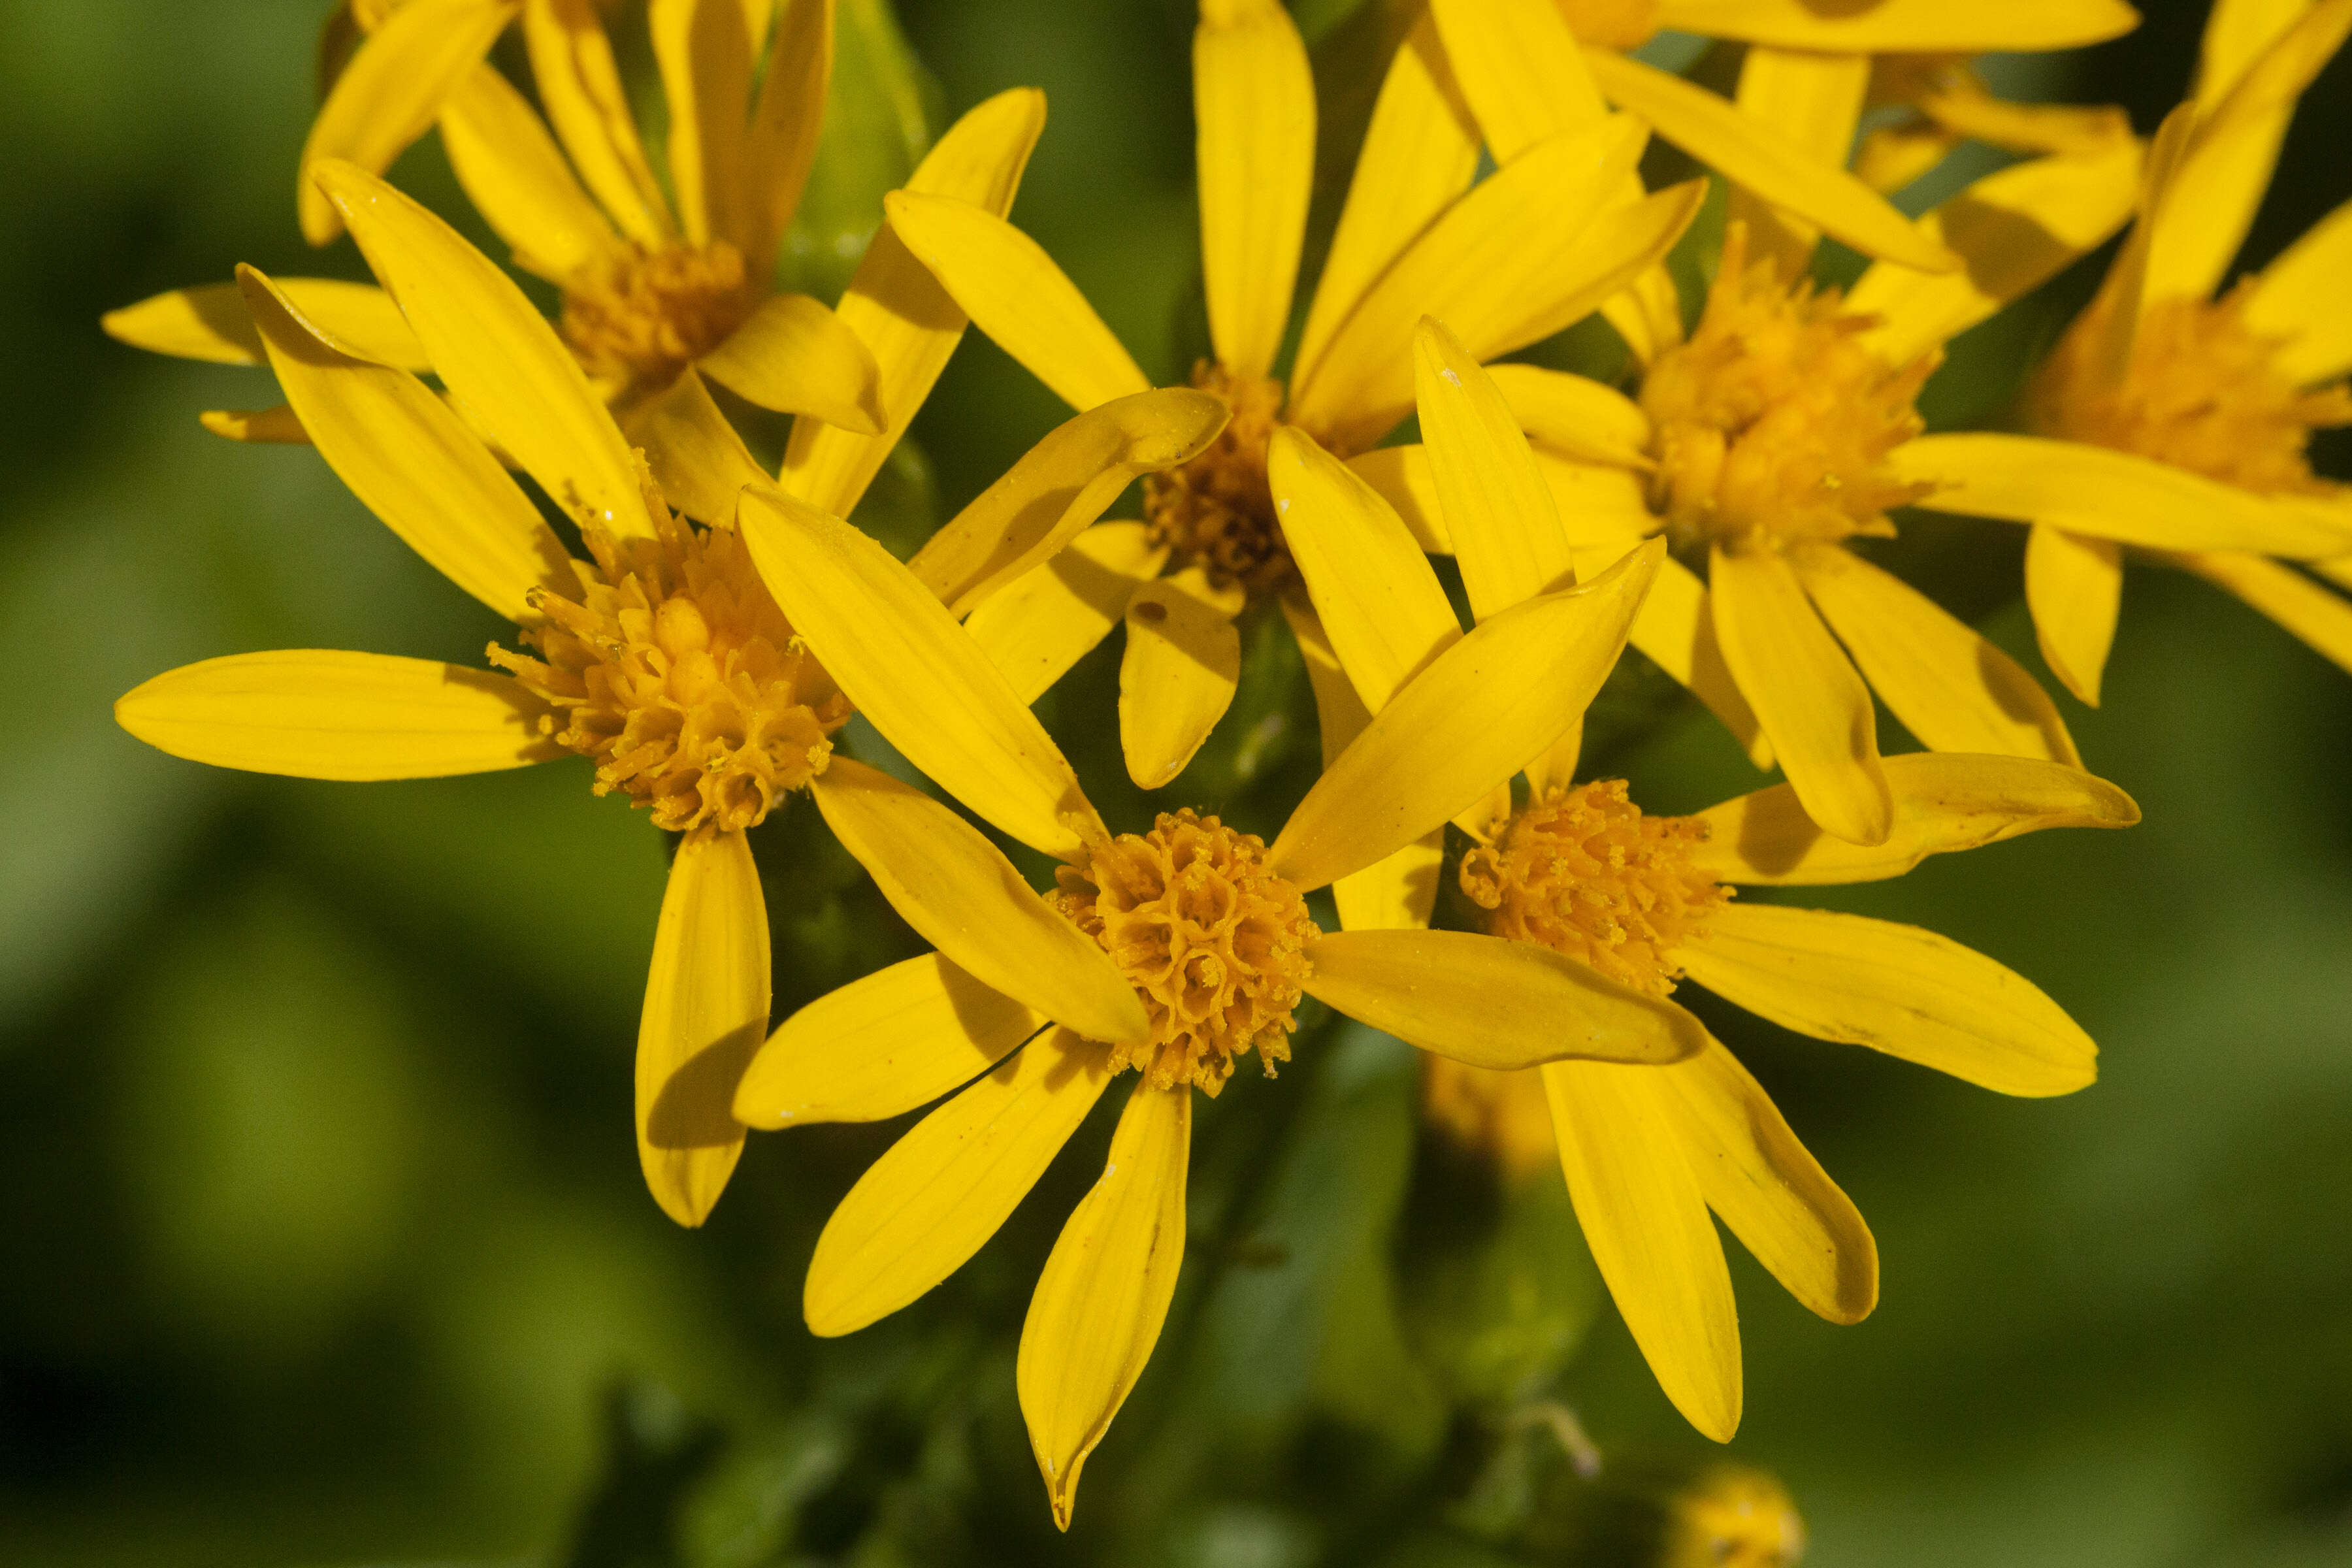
1059, 488
1042, 622
2299, 299
2074, 587
1644, 1216
705, 55
1493, 1003
1764, 160
2114, 313
1481, 711
923, 1208
389, 93
1904, 26
1953, 689
1395, 894
519, 180
268, 426
1176, 680
1648, 314
1605, 508
211, 322
696, 458
1895, 988
795, 356
1506, 533
2236, 34
963, 897
1576, 416
900, 309
1815, 101
1340, 714
1419, 155
1004, 281
1254, 110
1520, 68
2320, 616
1804, 690
2108, 494
315, 714
882, 1046
781, 147
1675, 629
1400, 475
1105, 1292
706, 1012
523, 386
897, 654
580, 83
1943, 801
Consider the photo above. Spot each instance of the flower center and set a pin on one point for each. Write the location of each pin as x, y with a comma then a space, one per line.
2201, 392
1583, 872
1502, 1116
1773, 418
676, 675
1213, 943
1611, 23
1216, 513
641, 316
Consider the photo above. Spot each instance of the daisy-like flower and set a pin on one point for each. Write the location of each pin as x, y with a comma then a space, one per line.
661, 658
1173, 952
1511, 259
2165, 407
649, 293
1646, 902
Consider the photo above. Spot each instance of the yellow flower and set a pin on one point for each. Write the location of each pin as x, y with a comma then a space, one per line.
662, 657
1172, 952
1510, 260
1644, 902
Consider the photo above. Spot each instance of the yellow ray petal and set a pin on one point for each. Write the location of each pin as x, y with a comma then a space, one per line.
1643, 1213
1943, 801
1605, 509
1419, 155
211, 322
1400, 475
1761, 158
1804, 690
1254, 110
795, 356
579, 82
1815, 101
1059, 487
517, 380
2074, 587
895, 304
2321, 617
781, 147
935, 1198
706, 1012
315, 714
2113, 314
1904, 26
696, 458
519, 180
2236, 34
412, 462
1953, 689
1481, 711
1177, 677
267, 427
1576, 416
389, 93
1004, 281
882, 1046
1493, 1003
2108, 494
1519, 68
898, 655
1675, 629
1896, 989
2300, 298
1105, 1292
704, 53
1039, 625
1506, 533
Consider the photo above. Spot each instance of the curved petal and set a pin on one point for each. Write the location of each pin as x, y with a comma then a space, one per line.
706, 1012
1520, 68
1004, 281
1105, 1292
796, 357
274, 426
696, 458
1814, 99
963, 897
519, 180
211, 322
2074, 587
1176, 680
1040, 624
897, 654
1253, 107
1575, 415
1400, 475
1904, 26
781, 147
882, 1046
1493, 1003
1676, 630
497, 355
2321, 617
315, 714
1506, 533
923, 1208
2300, 299
1806, 694
1943, 801
1896, 989
572, 65
704, 50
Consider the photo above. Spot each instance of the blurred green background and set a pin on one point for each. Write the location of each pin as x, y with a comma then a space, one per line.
324, 1240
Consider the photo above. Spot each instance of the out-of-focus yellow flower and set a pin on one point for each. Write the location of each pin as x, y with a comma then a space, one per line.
1174, 952
1732, 1517
1644, 902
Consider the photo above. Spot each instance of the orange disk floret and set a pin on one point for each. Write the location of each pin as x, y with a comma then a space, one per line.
1217, 512
641, 316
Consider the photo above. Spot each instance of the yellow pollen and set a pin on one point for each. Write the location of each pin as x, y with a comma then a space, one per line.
1774, 419
1216, 513
1504, 1117
640, 317
1583, 872
1611, 23
2201, 392
676, 675
1214, 944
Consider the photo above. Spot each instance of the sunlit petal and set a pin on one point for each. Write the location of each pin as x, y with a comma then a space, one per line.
2074, 587
211, 322
1176, 680
579, 84
796, 357
519, 180
706, 1012
1254, 110
1040, 624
